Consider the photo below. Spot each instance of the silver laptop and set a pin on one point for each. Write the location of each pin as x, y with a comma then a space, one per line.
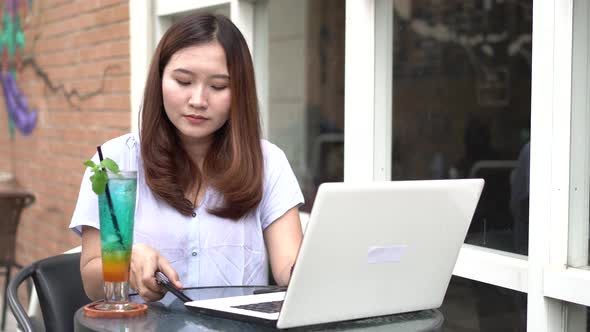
369, 250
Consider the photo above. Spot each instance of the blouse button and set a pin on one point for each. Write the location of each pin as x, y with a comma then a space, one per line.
194, 253
194, 214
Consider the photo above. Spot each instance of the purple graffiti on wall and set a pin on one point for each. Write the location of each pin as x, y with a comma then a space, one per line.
17, 105
12, 43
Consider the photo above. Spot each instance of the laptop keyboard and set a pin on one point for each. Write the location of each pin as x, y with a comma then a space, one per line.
267, 307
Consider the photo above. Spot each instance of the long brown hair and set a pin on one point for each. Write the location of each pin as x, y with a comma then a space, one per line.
233, 165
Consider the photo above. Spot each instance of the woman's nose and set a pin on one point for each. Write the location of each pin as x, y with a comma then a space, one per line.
198, 98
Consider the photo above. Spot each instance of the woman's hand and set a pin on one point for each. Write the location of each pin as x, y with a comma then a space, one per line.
145, 261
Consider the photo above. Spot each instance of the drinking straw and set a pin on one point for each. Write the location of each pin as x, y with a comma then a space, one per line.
110, 202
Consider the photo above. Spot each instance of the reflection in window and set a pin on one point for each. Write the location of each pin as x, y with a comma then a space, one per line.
577, 317
474, 306
306, 89
461, 105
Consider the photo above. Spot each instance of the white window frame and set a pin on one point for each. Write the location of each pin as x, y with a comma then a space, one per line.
559, 184
580, 138
367, 138
563, 279
549, 172
564, 46
560, 111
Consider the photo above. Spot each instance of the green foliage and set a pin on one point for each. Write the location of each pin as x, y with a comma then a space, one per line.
100, 178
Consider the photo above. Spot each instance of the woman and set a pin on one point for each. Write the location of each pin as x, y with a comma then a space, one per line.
212, 197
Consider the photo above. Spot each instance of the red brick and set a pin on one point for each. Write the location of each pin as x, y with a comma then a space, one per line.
105, 119
99, 68
68, 26
57, 13
117, 49
57, 103
90, 5
46, 4
73, 42
106, 85
117, 84
64, 58
114, 14
58, 74
55, 44
114, 31
117, 102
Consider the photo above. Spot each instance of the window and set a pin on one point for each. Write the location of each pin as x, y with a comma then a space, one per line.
305, 114
577, 318
438, 89
474, 306
461, 106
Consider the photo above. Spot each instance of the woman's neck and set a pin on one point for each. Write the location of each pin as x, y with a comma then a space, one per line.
196, 149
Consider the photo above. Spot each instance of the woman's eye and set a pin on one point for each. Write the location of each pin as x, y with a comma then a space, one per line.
218, 87
183, 82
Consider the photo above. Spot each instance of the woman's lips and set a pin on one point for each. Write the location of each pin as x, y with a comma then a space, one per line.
195, 119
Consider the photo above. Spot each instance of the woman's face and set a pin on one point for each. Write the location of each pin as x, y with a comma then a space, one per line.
196, 92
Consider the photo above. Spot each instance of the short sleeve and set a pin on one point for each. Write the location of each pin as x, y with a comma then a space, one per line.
123, 150
86, 211
281, 189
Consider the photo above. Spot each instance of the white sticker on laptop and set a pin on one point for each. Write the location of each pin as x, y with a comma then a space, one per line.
385, 254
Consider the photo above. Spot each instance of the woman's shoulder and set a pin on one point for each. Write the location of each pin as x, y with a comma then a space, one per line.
271, 151
124, 140
120, 146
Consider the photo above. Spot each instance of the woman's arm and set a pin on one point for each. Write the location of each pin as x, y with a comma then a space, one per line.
283, 238
145, 261
91, 264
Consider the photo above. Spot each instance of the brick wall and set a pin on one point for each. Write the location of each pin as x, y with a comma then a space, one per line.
76, 74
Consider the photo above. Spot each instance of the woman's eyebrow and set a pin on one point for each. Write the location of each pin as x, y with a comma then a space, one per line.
188, 72
222, 76
182, 70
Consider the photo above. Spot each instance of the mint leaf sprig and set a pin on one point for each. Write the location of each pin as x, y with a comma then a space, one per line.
100, 178
99, 184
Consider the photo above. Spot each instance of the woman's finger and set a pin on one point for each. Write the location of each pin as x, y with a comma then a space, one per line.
165, 267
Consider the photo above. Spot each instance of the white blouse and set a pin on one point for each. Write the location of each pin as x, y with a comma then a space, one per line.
205, 250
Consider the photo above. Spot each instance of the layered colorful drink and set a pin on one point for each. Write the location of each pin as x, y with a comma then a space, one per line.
117, 211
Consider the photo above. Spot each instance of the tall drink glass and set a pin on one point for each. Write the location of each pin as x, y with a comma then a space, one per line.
116, 238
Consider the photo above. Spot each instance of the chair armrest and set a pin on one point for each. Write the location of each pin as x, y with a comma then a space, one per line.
13, 302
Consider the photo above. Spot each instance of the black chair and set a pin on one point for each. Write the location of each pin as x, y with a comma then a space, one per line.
59, 288
12, 202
